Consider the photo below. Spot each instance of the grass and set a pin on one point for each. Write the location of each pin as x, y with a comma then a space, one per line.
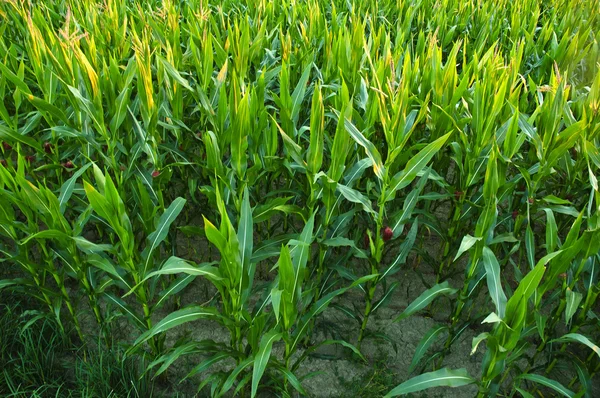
39, 361
377, 382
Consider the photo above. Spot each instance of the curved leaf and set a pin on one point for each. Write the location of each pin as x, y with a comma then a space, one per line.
176, 286
177, 318
578, 338
202, 366
440, 378
414, 165
176, 265
553, 384
354, 196
233, 376
165, 221
441, 289
66, 190
262, 358
321, 305
428, 339
370, 149
467, 242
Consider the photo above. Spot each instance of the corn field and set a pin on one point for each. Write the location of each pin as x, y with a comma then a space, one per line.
259, 168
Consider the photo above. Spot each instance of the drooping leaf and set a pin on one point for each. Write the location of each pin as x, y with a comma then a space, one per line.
578, 338
553, 384
467, 242
440, 378
175, 319
441, 289
355, 196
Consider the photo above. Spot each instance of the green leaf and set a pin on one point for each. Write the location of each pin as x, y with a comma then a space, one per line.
143, 139
120, 109
314, 347
168, 359
467, 242
321, 305
176, 265
405, 248
553, 384
244, 232
317, 124
409, 204
300, 254
524, 393
89, 108
440, 378
414, 165
239, 137
507, 237
386, 296
526, 288
19, 83
213, 153
46, 234
478, 339
354, 196
492, 318
11, 136
97, 201
341, 144
370, 149
49, 108
177, 318
4, 283
578, 338
262, 358
573, 299
494, 283
289, 376
265, 211
175, 287
356, 171
287, 285
441, 289
530, 246
555, 200
551, 231
107, 266
66, 190
128, 311
174, 73
156, 237
298, 94
426, 341
90, 247
202, 366
233, 377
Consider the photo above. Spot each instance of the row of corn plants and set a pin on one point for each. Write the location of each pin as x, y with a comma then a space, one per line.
279, 156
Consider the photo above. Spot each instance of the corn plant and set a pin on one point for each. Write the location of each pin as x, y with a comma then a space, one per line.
251, 165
